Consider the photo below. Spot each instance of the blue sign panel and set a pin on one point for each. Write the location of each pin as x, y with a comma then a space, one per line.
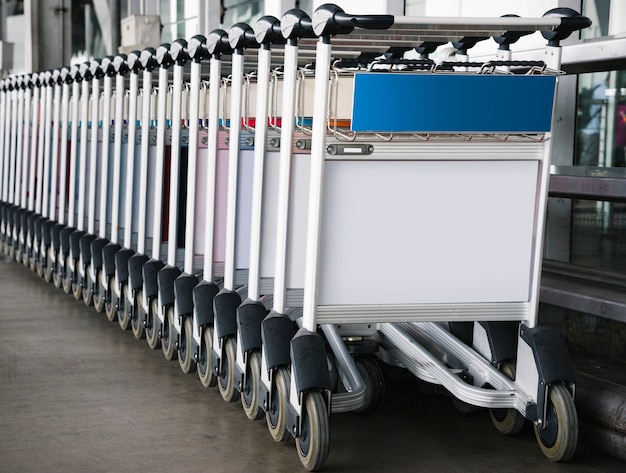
452, 103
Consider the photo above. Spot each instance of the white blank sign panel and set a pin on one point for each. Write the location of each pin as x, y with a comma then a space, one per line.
410, 232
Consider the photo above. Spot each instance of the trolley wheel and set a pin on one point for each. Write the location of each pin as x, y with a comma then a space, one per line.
185, 354
463, 407
205, 373
167, 335
276, 415
249, 393
374, 380
313, 443
40, 268
57, 279
152, 334
32, 263
123, 317
559, 438
47, 271
110, 306
77, 290
87, 291
136, 320
67, 281
507, 421
98, 298
226, 378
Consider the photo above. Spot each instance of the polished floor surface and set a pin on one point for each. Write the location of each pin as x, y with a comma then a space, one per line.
79, 395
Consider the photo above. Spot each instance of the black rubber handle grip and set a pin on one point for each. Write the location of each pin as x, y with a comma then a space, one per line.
178, 52
163, 57
148, 59
107, 66
119, 64
329, 19
133, 61
197, 48
241, 36
268, 31
571, 21
296, 24
217, 43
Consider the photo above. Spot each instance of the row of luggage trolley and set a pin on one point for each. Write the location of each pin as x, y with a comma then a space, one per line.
288, 206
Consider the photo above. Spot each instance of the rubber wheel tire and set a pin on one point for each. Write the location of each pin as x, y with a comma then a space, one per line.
47, 271
374, 380
57, 280
98, 299
276, 415
313, 443
40, 268
205, 373
110, 306
123, 315
77, 290
87, 291
226, 378
152, 334
559, 438
136, 320
507, 421
67, 282
249, 393
167, 341
185, 355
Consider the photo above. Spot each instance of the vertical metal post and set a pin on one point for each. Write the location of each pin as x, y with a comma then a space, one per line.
117, 156
65, 105
160, 162
47, 172
104, 154
3, 125
12, 142
40, 148
71, 220
194, 124
84, 128
130, 157
93, 153
172, 232
318, 153
143, 170
233, 166
260, 134
55, 149
26, 151
33, 147
215, 75
284, 174
18, 151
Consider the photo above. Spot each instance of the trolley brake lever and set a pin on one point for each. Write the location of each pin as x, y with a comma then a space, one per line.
329, 19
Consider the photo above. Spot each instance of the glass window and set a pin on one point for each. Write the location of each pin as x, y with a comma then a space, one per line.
601, 119
247, 11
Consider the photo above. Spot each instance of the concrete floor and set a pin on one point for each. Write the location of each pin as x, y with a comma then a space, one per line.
78, 394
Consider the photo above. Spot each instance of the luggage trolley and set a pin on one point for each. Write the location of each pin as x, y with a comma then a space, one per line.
451, 166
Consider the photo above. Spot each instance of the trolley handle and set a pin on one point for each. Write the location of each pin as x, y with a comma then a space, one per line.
571, 21
467, 42
64, 76
107, 66
132, 61
509, 37
74, 72
178, 52
329, 19
96, 69
268, 31
163, 57
241, 36
217, 43
296, 24
148, 59
197, 48
120, 65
